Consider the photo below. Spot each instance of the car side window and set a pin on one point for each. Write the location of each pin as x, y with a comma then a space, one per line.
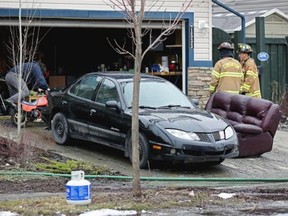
107, 92
85, 88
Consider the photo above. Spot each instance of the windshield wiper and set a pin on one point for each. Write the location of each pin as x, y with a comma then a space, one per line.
169, 106
144, 107
147, 107
172, 106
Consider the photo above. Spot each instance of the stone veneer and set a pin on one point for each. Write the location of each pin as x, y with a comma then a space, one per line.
198, 84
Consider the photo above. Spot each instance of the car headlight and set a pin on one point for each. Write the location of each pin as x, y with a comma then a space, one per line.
228, 132
183, 134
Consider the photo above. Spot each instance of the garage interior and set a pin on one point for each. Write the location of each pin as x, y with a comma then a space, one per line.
70, 52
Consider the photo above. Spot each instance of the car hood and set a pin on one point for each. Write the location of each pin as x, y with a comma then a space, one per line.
185, 119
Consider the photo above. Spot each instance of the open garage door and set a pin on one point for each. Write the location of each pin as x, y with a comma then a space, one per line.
75, 47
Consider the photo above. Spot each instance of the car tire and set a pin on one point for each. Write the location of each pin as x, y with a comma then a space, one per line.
143, 151
60, 130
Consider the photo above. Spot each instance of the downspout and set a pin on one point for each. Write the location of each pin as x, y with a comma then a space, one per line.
237, 14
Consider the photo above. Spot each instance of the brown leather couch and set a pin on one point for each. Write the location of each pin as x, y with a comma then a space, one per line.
255, 120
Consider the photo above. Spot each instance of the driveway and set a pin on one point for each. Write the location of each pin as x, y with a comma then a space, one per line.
273, 164
265, 178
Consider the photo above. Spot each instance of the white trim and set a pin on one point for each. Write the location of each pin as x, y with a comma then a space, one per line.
270, 12
84, 23
184, 69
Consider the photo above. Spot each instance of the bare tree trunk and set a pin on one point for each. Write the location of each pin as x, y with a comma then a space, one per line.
135, 18
135, 114
20, 71
23, 46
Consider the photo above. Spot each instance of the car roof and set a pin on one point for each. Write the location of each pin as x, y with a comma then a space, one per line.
124, 75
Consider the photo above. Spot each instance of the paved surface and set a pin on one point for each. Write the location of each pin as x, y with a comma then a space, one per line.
272, 164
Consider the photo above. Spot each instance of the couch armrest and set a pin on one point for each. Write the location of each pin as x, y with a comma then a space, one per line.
219, 101
209, 103
272, 119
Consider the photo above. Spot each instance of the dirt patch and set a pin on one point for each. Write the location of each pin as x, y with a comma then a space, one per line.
47, 193
155, 200
20, 192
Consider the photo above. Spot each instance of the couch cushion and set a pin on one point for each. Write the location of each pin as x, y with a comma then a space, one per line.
234, 117
220, 103
233, 122
256, 110
252, 120
247, 128
237, 108
219, 112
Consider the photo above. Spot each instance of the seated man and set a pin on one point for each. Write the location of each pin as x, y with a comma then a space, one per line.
32, 75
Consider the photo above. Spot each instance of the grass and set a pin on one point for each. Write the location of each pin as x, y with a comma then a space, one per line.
150, 200
52, 166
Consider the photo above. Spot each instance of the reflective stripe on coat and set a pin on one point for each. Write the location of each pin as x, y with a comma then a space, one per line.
250, 85
226, 76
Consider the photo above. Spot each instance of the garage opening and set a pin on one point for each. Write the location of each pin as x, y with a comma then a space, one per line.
69, 52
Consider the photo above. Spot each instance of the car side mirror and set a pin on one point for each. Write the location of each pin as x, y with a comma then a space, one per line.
195, 102
113, 104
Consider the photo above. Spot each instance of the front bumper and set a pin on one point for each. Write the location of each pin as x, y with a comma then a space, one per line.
196, 153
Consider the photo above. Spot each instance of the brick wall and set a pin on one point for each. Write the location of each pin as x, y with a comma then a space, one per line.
198, 84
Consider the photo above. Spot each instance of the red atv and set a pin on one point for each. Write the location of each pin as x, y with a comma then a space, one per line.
31, 109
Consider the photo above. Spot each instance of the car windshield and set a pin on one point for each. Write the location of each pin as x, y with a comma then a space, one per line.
156, 94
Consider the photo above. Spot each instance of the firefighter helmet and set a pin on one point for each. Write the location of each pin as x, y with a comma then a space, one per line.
225, 45
244, 48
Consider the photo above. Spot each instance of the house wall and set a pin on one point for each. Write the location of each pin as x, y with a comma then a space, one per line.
201, 8
203, 36
198, 86
275, 27
198, 74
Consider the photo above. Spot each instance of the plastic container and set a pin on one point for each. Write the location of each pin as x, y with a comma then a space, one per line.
165, 61
78, 190
172, 66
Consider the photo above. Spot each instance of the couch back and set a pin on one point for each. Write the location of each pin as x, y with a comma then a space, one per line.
247, 110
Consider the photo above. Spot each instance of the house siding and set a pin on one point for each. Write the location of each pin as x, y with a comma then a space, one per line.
201, 9
253, 5
275, 27
200, 59
203, 37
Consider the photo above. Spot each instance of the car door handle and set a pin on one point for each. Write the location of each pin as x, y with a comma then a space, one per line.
92, 111
64, 102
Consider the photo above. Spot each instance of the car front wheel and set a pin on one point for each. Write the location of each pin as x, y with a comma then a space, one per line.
143, 151
60, 130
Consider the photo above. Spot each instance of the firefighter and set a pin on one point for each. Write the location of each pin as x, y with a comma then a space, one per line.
251, 84
227, 72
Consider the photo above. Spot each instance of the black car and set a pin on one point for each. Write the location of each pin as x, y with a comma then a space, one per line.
97, 107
